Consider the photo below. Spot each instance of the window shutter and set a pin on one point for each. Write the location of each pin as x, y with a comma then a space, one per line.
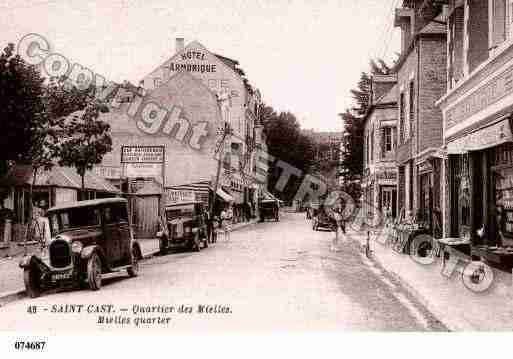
383, 142
499, 22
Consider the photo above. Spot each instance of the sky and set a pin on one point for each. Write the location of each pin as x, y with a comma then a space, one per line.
304, 56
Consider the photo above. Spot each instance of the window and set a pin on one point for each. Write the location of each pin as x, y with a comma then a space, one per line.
401, 117
365, 149
156, 82
372, 146
510, 18
455, 46
412, 108
502, 182
500, 21
460, 214
116, 213
79, 217
179, 211
387, 139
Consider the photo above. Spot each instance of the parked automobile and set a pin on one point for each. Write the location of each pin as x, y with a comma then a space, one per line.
312, 209
269, 209
323, 220
89, 238
183, 225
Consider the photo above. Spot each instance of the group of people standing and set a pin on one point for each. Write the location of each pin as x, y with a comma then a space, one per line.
220, 224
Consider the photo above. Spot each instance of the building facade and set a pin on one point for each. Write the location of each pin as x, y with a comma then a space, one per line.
191, 124
421, 81
379, 182
223, 77
477, 107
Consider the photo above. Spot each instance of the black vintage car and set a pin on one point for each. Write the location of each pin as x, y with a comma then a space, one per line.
89, 238
184, 225
269, 208
323, 220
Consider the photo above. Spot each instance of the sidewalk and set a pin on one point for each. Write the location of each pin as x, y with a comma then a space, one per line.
448, 298
11, 275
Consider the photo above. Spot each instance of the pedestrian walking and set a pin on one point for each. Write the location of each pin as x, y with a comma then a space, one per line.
211, 230
226, 221
337, 216
247, 211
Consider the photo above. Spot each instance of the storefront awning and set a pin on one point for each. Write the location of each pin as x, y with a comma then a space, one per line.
57, 176
490, 136
225, 196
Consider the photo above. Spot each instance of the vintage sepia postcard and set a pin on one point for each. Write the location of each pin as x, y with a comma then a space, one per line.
210, 167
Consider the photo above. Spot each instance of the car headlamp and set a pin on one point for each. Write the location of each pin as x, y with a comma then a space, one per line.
76, 247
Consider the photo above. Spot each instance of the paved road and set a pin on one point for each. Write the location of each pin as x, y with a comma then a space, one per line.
267, 276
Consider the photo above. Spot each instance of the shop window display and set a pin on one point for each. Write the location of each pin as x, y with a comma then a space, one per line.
503, 191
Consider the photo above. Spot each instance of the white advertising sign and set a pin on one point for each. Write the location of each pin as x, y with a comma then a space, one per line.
134, 170
142, 154
179, 196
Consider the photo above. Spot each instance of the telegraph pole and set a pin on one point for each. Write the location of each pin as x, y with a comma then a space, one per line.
224, 132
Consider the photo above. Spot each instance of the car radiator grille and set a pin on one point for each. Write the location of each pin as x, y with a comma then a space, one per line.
60, 254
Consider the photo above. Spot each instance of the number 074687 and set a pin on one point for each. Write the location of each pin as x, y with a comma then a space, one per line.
21, 345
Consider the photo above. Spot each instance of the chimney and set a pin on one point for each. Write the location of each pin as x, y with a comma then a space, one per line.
180, 44
405, 19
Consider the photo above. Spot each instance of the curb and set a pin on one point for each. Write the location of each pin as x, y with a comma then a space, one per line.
8, 297
418, 296
411, 290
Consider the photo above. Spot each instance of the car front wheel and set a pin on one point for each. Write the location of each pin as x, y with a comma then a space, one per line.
94, 272
32, 280
163, 245
133, 270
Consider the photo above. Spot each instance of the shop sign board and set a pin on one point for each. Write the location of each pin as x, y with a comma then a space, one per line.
488, 94
179, 196
134, 170
387, 175
142, 154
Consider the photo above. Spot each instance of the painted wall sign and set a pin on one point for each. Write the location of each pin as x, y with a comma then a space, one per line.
142, 154
193, 55
173, 66
192, 67
496, 89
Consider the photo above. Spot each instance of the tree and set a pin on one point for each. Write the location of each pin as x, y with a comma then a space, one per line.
21, 107
361, 95
287, 143
87, 139
353, 119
